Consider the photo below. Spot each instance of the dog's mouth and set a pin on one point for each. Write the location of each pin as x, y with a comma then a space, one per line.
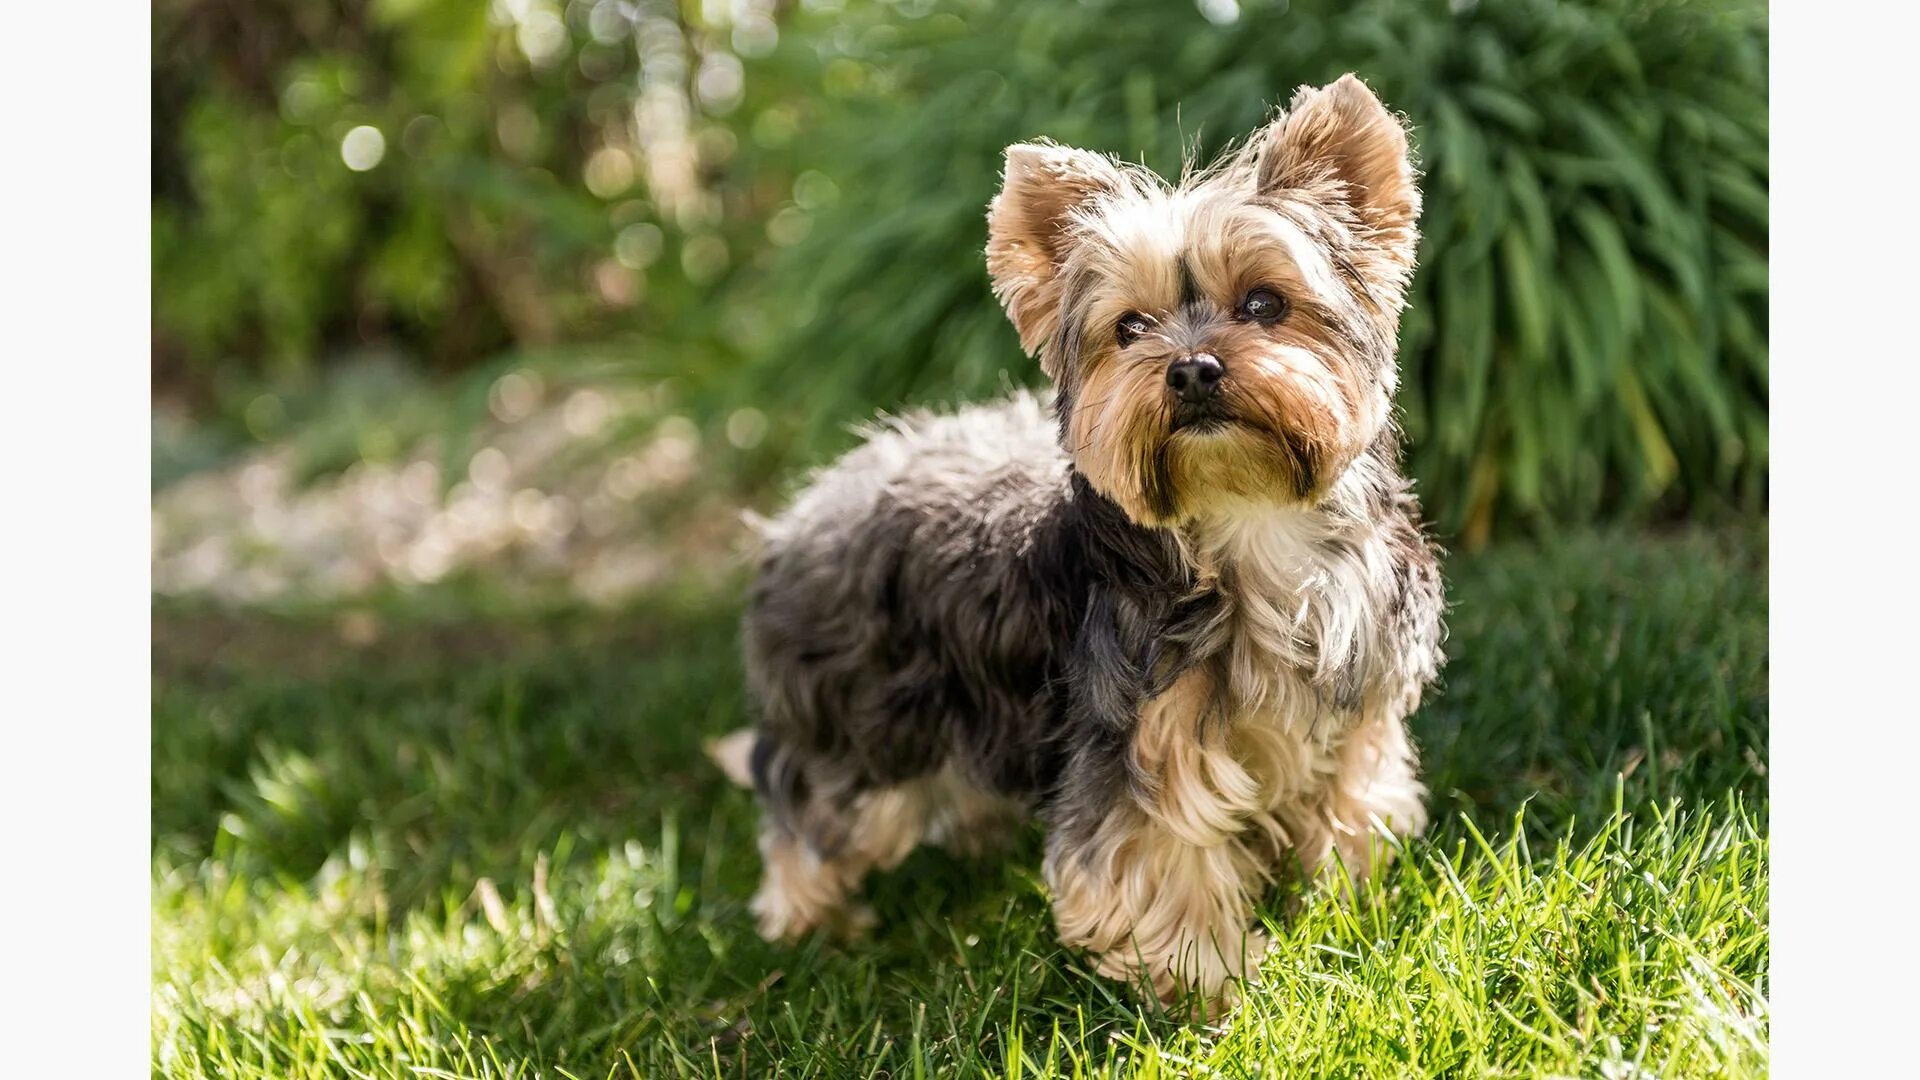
1200, 417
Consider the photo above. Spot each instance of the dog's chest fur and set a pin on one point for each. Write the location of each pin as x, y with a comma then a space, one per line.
1306, 594
1293, 674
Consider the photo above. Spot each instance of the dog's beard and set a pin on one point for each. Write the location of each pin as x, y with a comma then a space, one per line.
1279, 432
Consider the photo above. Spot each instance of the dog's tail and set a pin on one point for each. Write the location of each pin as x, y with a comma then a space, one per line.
733, 752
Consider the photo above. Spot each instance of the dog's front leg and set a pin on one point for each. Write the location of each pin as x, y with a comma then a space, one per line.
1150, 904
1157, 876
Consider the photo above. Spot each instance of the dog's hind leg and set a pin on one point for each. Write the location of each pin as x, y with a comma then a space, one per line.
812, 867
967, 820
800, 890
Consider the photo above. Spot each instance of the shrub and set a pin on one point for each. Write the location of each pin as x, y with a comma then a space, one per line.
498, 206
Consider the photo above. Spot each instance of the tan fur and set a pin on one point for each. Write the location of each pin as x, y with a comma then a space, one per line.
1192, 783
1145, 901
1172, 878
1341, 133
733, 752
1372, 796
1040, 190
1115, 427
801, 890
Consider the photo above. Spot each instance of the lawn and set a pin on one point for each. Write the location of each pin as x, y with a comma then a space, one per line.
404, 839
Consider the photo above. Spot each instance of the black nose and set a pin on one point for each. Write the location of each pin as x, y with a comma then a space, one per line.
1194, 378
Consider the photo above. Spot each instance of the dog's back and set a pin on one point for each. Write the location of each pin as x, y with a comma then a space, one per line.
895, 617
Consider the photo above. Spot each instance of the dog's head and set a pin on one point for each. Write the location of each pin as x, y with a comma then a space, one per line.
1228, 339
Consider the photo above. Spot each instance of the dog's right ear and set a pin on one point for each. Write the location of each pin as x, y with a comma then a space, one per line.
1028, 230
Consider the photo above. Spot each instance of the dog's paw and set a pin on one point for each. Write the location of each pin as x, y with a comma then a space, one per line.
777, 922
855, 921
784, 923
1214, 989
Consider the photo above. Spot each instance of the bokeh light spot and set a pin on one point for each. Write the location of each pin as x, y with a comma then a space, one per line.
1219, 12
720, 83
542, 37
815, 190
264, 415
755, 36
490, 470
638, 245
586, 412
704, 259
609, 172
788, 227
514, 396
363, 147
746, 427
616, 285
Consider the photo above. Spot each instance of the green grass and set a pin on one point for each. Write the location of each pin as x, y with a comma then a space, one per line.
490, 847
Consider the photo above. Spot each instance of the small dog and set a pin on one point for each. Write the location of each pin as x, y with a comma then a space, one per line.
1180, 612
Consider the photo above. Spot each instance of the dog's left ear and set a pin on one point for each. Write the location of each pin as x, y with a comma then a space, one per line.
1342, 132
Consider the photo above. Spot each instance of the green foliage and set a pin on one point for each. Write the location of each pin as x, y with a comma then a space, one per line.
1587, 333
225, 267
494, 849
481, 223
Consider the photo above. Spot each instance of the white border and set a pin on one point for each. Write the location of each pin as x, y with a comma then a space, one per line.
74, 633
1845, 537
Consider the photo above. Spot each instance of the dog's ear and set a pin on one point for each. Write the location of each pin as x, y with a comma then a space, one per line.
1341, 132
1028, 230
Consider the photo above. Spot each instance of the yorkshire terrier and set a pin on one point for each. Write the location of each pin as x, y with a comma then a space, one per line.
1179, 612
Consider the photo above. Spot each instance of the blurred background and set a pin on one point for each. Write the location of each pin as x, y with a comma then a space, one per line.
542, 293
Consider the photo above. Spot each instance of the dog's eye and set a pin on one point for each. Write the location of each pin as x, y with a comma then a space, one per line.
1263, 305
1131, 328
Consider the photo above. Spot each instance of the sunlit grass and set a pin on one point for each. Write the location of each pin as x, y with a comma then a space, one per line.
492, 848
